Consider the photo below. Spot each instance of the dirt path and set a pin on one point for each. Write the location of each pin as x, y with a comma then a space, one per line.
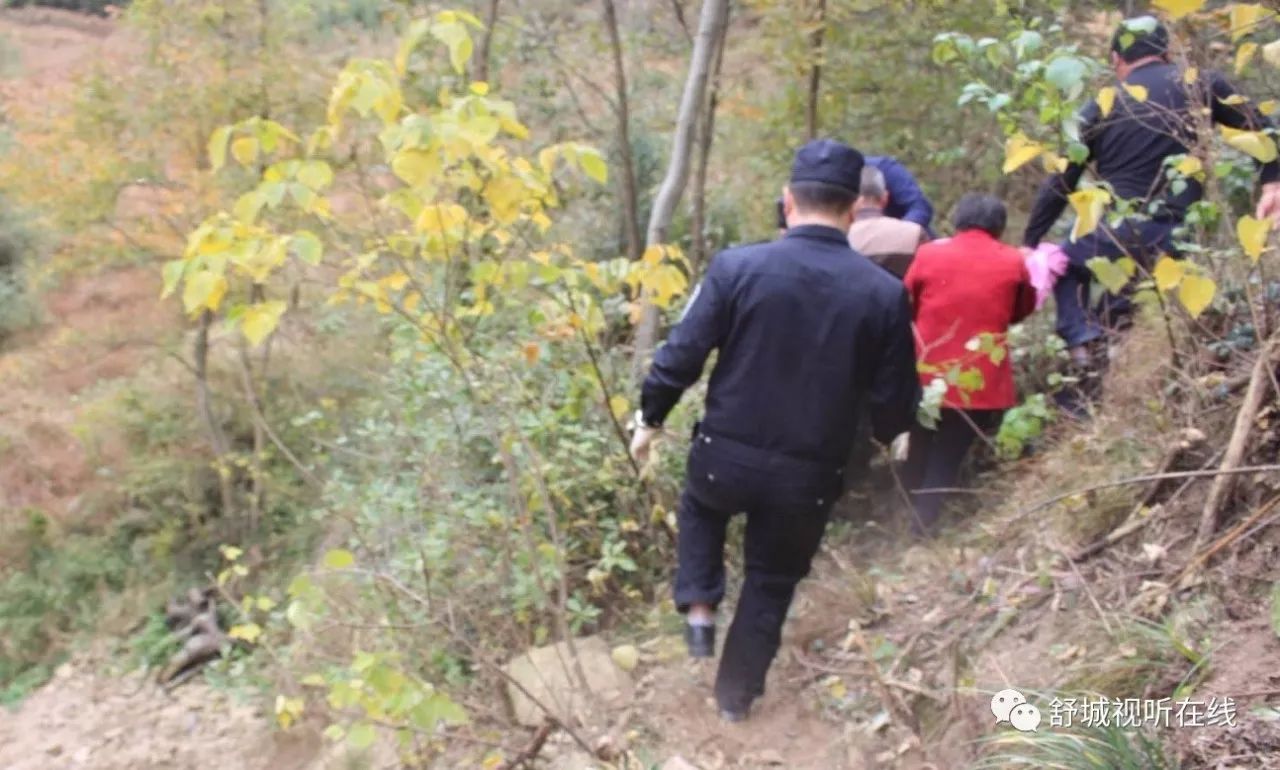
83, 720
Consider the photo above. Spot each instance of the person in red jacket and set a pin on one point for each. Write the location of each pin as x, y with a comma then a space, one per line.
966, 291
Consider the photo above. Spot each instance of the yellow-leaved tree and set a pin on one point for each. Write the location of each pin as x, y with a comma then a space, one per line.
419, 198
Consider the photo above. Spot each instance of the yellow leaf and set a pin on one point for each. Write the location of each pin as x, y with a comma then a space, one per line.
288, 710
1244, 55
479, 88
504, 195
494, 761
593, 164
1168, 273
1089, 206
338, 558
1196, 293
1053, 162
249, 632
218, 147
245, 150
203, 291
531, 351
1256, 144
1271, 53
653, 254
626, 657
260, 320
1189, 166
619, 405
1253, 236
837, 688
1139, 93
1267, 107
415, 167
1190, 76
1235, 99
1246, 18
441, 219
1106, 100
1020, 150
1176, 9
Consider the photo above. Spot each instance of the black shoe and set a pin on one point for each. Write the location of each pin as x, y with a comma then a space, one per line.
701, 640
737, 711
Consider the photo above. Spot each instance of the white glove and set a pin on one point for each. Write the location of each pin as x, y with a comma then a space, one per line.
900, 448
642, 437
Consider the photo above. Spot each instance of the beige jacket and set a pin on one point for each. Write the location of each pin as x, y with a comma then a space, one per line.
890, 243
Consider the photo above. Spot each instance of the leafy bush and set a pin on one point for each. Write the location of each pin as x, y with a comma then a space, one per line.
83, 6
1101, 748
19, 246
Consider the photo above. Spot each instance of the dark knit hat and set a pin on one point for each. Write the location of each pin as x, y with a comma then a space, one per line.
829, 162
1140, 37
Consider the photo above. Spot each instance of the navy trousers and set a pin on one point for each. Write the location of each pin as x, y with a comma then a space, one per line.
934, 459
786, 502
1079, 320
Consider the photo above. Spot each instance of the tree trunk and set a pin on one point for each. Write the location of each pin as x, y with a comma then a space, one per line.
706, 136
712, 25
630, 188
815, 71
217, 439
486, 42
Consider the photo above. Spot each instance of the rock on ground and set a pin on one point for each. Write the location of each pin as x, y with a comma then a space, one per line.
550, 676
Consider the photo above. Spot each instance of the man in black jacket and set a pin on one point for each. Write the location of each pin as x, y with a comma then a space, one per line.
1152, 119
807, 332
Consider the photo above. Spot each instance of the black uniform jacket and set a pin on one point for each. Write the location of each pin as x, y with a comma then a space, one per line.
808, 331
1128, 146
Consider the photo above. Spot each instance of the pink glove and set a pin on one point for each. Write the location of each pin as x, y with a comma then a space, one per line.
1045, 263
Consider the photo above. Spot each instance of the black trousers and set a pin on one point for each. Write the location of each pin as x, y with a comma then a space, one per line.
935, 457
786, 502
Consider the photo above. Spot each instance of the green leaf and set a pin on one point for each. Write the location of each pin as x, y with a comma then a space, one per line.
306, 247
593, 164
457, 39
1066, 73
338, 558
172, 272
361, 736
218, 147
315, 174
417, 31
1109, 274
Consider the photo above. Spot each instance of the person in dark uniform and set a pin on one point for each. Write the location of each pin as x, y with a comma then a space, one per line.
904, 198
1128, 148
807, 332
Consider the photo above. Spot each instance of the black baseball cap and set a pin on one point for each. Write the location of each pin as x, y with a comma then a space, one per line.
829, 162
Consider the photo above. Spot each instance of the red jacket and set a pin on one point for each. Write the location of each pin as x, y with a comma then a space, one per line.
961, 288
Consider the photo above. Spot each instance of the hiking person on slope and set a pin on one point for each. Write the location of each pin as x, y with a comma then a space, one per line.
807, 332
1128, 148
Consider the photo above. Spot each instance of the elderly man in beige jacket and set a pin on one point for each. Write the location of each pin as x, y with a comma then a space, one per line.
890, 243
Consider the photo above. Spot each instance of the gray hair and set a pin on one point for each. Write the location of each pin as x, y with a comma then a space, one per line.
872, 185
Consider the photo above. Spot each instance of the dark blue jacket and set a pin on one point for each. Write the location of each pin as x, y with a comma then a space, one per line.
906, 199
1129, 146
807, 330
